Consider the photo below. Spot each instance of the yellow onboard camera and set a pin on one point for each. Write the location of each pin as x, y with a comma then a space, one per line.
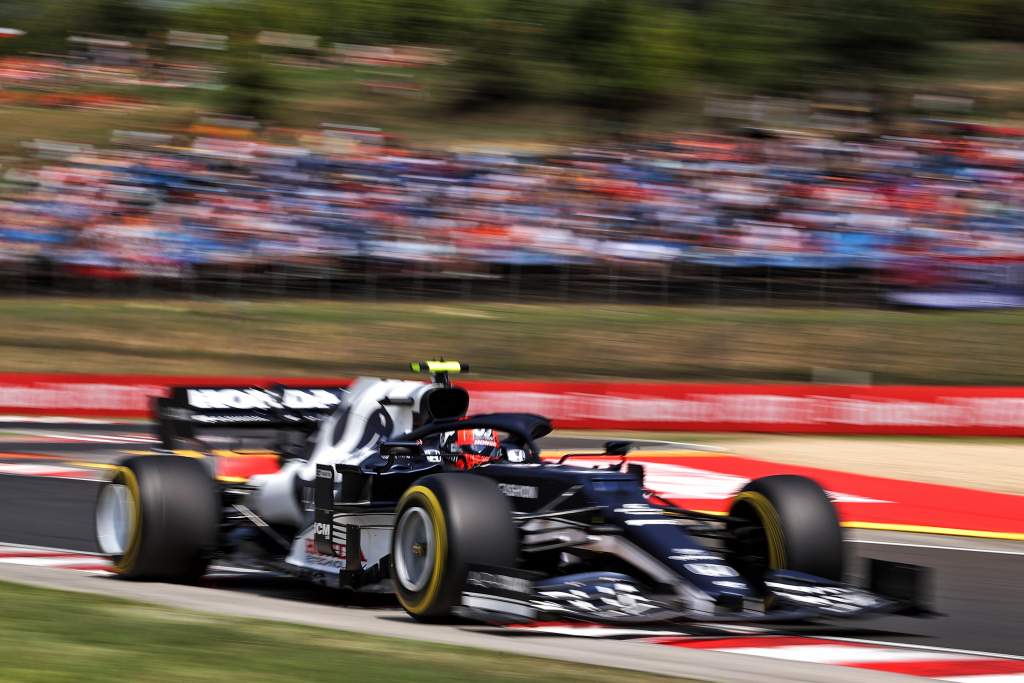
439, 369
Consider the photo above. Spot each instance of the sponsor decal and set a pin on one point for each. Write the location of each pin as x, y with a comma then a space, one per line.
519, 490
656, 522
515, 455
49, 393
781, 408
639, 509
818, 408
318, 559
260, 399
693, 555
481, 438
708, 569
229, 419
339, 550
322, 529
478, 437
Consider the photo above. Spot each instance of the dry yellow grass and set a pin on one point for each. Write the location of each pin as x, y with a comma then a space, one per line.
288, 338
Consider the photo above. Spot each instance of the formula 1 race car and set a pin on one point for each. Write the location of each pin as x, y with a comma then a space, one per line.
388, 486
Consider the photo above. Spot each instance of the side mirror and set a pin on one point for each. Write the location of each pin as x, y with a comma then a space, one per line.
618, 447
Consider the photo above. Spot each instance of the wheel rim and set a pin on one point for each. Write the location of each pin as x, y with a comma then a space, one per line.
414, 549
115, 514
757, 541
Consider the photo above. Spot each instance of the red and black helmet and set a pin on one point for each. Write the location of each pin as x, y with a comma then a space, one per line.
469, 448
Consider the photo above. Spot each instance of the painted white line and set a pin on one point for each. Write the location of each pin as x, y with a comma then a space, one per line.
87, 557
690, 446
37, 548
598, 631
645, 442
238, 570
930, 648
128, 438
96, 438
23, 468
31, 469
741, 629
52, 420
50, 561
987, 678
842, 654
95, 561
925, 546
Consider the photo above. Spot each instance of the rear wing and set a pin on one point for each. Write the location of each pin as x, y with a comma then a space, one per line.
233, 415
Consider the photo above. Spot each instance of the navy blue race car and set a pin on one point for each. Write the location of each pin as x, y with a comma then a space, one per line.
388, 486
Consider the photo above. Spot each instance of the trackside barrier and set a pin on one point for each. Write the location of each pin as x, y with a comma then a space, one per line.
792, 408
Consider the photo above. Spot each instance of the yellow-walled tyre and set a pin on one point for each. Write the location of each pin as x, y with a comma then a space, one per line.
445, 523
786, 522
158, 519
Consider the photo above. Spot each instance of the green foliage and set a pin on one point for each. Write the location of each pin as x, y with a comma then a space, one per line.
612, 58
425, 21
758, 45
873, 37
780, 45
48, 23
250, 87
132, 18
498, 63
627, 55
991, 19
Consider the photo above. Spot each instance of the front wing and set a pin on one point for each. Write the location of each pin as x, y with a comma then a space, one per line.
501, 595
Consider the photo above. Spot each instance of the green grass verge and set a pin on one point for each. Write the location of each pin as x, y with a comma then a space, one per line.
51, 636
311, 338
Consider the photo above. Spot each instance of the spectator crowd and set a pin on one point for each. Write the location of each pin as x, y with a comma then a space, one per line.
784, 200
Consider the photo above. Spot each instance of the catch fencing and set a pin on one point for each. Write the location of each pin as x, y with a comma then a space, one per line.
624, 282
952, 281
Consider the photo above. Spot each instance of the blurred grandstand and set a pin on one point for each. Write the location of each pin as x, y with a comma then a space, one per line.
843, 189
931, 220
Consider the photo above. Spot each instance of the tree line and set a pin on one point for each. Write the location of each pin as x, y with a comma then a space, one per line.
621, 56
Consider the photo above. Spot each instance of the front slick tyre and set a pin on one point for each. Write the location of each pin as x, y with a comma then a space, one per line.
445, 523
158, 519
787, 522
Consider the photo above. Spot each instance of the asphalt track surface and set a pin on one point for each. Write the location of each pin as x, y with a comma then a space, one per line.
978, 585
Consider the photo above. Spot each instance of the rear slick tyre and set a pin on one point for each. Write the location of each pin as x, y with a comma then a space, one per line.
158, 519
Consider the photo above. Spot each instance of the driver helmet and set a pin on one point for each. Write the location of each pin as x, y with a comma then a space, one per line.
469, 448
